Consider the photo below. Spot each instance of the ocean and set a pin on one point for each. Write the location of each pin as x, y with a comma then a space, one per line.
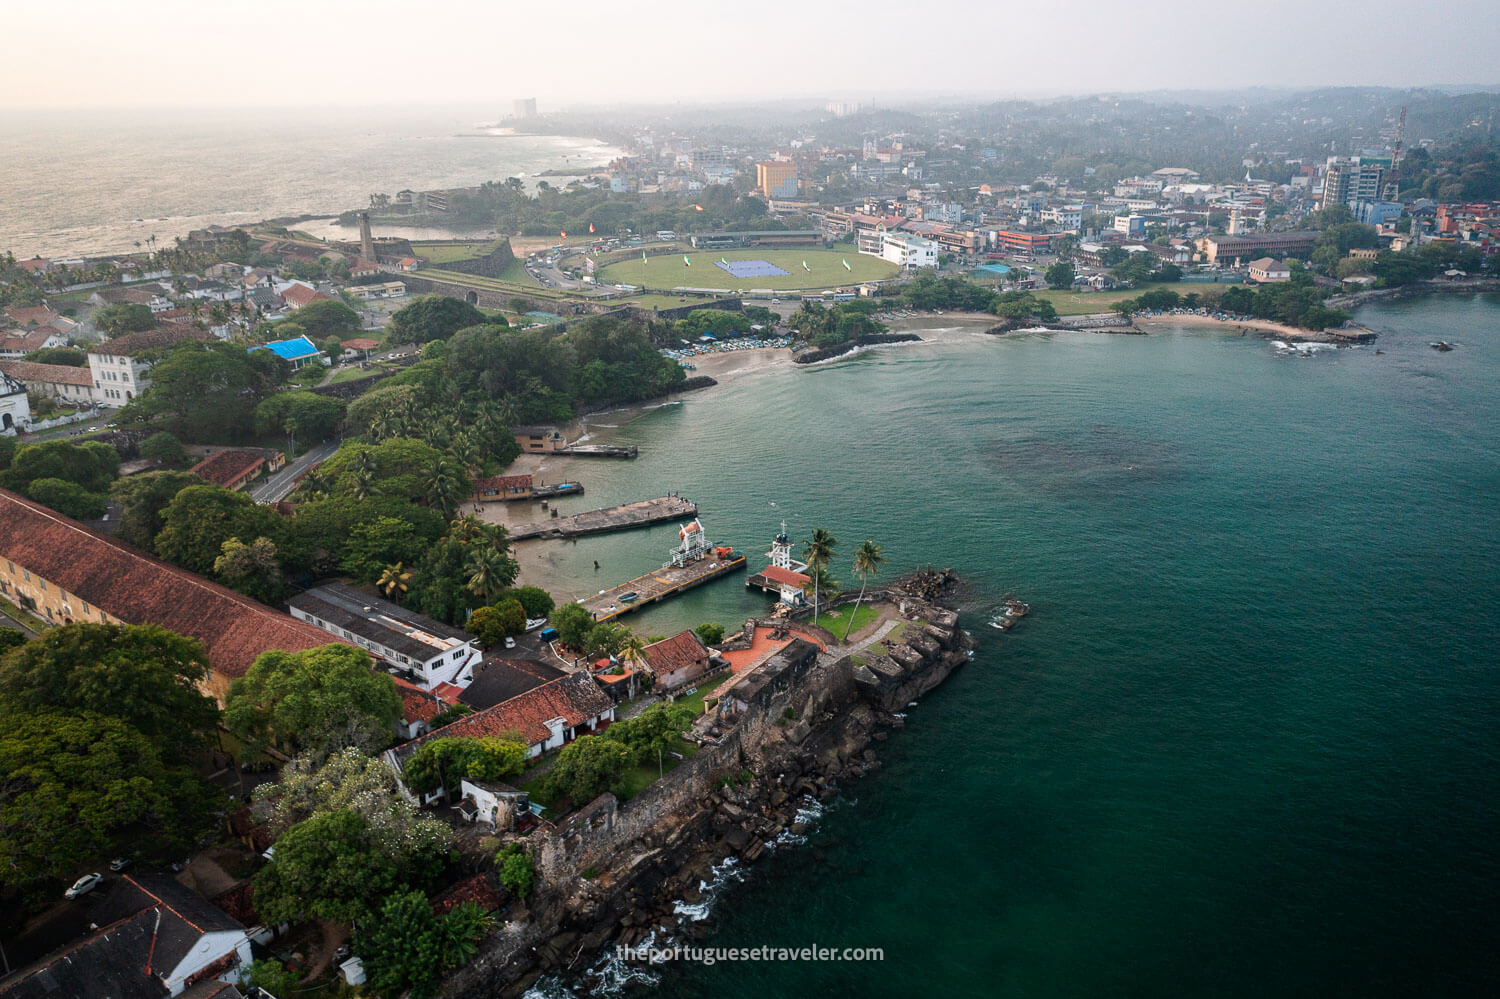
91, 182
1248, 741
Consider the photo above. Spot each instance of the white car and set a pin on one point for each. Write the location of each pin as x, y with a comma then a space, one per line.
510, 643
83, 886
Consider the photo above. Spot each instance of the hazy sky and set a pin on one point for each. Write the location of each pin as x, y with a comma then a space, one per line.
165, 53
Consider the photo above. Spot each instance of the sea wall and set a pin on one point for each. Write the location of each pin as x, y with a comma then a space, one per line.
873, 339
492, 264
797, 728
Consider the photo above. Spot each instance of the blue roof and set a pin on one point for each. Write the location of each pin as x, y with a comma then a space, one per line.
291, 350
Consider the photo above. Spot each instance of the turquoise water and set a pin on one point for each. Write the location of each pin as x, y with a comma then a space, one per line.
1246, 744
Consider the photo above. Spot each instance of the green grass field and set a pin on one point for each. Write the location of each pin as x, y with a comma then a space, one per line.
530, 290
837, 620
827, 270
447, 253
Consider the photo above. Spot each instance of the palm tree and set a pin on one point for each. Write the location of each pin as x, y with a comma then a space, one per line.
364, 483
867, 562
634, 651
383, 425
818, 583
466, 529
486, 572
443, 490
394, 581
818, 551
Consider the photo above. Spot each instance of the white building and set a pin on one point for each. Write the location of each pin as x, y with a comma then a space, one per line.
117, 367
1064, 217
15, 408
906, 250
430, 652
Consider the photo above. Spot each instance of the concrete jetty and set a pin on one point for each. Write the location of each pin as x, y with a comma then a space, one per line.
614, 518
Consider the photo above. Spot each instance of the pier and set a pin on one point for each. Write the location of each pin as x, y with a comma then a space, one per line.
599, 451
693, 563
614, 518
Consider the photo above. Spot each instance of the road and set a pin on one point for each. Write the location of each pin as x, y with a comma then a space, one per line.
277, 486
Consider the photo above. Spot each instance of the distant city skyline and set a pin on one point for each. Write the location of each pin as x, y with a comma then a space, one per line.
176, 53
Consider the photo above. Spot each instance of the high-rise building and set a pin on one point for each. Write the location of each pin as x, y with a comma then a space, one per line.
523, 108
1348, 180
776, 178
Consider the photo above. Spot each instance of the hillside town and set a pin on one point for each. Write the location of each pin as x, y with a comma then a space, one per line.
268, 477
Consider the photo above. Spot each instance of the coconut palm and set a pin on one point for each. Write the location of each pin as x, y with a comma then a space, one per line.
867, 562
818, 583
394, 581
466, 529
364, 483
487, 571
444, 493
818, 551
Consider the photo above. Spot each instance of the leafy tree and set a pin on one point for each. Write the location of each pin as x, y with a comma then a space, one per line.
535, 601
320, 700
143, 674
78, 787
208, 392
375, 544
70, 356
366, 786
7, 452
402, 950
709, 633
573, 623
485, 625
304, 415
511, 616
586, 768
93, 465
400, 467
328, 867
67, 498
165, 450
655, 731
145, 497
1060, 275
10, 638
252, 569
517, 871
124, 318
432, 317
274, 977
322, 318
441, 589
443, 762
868, 559
199, 519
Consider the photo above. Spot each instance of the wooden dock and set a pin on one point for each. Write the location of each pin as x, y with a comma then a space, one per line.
614, 518
659, 585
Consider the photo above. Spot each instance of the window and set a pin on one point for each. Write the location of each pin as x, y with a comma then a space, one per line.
458, 655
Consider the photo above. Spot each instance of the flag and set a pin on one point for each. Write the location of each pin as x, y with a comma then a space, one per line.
643, 256
723, 261
685, 261
847, 267
591, 227
564, 235
697, 208
805, 267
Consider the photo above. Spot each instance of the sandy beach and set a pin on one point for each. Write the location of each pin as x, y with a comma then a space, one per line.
1260, 327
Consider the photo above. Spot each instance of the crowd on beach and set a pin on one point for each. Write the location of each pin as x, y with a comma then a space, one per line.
1223, 317
726, 346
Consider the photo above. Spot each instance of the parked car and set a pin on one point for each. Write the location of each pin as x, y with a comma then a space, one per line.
83, 886
510, 643
119, 864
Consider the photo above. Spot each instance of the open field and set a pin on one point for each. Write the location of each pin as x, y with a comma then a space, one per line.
1082, 303
827, 270
447, 253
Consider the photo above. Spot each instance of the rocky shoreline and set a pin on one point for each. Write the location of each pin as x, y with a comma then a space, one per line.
872, 340
617, 874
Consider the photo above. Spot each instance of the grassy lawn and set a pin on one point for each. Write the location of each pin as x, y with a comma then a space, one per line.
837, 620
826, 270
705, 685
355, 374
1080, 303
446, 253
515, 272
531, 290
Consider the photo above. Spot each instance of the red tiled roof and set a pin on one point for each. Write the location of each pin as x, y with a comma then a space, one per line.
53, 374
678, 652
476, 889
785, 577
418, 704
575, 698
501, 483
132, 344
28, 315
225, 467
30, 340
299, 295
33, 265
139, 589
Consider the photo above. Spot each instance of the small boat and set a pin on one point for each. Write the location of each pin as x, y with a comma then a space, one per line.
1442, 345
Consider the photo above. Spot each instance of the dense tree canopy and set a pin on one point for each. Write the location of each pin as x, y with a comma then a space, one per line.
143, 674
67, 498
124, 318
145, 497
304, 416
443, 762
432, 317
317, 701
92, 465
199, 519
323, 318
208, 392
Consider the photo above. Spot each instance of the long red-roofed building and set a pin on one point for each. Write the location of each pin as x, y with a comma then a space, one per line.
61, 571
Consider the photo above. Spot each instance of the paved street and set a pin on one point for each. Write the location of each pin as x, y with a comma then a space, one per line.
277, 486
